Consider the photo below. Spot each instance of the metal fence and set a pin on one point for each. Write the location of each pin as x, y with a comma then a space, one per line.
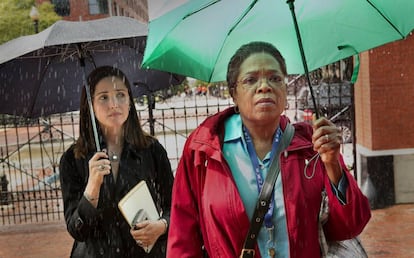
30, 151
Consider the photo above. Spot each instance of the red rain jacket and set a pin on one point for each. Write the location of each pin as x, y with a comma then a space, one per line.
207, 208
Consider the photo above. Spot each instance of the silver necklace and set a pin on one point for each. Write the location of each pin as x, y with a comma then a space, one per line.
113, 156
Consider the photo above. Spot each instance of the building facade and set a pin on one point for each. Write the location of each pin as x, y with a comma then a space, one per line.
384, 93
82, 10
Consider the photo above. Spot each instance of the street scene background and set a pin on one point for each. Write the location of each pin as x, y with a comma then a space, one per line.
37, 228
31, 211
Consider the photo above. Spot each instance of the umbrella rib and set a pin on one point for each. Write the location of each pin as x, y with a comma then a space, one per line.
67, 51
83, 53
38, 87
385, 18
200, 9
246, 11
251, 5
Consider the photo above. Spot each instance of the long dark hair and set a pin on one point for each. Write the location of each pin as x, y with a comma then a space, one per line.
133, 132
233, 68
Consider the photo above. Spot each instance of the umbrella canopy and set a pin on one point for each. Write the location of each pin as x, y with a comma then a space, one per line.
43, 74
198, 38
157, 8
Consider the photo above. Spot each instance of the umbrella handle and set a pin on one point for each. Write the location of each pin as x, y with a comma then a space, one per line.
302, 53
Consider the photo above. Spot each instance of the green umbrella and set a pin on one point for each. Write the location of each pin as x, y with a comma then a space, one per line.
198, 38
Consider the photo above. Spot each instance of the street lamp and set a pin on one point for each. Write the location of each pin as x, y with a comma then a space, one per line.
34, 15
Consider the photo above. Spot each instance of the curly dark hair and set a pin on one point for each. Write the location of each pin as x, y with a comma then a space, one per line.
133, 132
233, 68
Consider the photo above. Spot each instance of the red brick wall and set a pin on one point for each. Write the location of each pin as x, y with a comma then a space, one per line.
363, 103
384, 94
79, 11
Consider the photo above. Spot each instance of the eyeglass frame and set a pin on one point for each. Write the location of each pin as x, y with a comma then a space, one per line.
282, 80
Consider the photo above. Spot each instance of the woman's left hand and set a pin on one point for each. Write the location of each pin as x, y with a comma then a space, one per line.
327, 139
147, 232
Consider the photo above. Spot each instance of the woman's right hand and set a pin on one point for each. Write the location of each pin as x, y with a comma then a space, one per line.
99, 166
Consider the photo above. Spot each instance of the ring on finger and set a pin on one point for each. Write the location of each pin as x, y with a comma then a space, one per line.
326, 138
139, 242
101, 167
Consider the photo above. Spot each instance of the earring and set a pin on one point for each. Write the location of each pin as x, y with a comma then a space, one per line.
236, 109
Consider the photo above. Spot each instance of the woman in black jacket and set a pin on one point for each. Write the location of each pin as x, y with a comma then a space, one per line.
94, 182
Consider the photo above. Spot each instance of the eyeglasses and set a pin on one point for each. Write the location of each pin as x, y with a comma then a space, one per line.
253, 81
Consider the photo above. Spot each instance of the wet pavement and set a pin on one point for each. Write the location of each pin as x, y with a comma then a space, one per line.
390, 233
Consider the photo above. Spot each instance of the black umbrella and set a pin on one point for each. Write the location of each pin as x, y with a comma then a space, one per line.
43, 74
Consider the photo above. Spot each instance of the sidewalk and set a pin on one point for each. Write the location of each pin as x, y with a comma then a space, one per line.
45, 240
390, 233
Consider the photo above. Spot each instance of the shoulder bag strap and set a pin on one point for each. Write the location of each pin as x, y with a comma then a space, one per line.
263, 201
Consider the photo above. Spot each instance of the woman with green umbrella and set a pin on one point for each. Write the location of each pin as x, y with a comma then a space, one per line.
226, 161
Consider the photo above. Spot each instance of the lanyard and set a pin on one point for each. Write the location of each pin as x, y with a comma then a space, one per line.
257, 171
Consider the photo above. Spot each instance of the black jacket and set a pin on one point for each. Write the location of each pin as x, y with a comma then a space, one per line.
103, 231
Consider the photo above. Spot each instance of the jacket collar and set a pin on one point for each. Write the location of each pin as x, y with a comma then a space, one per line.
208, 136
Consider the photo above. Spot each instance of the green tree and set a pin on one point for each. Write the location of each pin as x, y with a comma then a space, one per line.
15, 20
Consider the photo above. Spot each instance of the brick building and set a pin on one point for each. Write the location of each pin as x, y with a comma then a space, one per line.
384, 93
82, 10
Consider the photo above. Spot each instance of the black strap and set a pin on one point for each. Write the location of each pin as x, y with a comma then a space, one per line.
263, 201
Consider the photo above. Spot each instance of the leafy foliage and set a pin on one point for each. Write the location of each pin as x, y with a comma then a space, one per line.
15, 20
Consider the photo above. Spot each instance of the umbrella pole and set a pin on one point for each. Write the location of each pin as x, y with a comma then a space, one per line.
302, 53
353, 130
95, 131
151, 106
89, 98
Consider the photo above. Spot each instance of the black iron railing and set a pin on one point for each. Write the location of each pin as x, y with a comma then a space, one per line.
30, 151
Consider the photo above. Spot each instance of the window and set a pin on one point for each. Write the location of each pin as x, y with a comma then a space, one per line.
98, 6
62, 7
